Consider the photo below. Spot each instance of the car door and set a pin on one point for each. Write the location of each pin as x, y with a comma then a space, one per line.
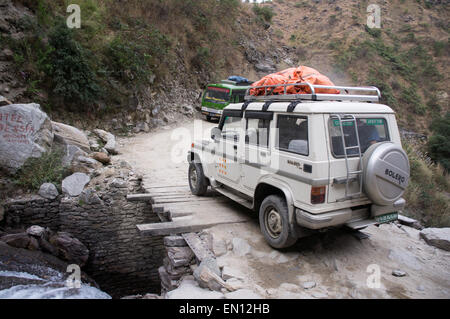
228, 149
256, 148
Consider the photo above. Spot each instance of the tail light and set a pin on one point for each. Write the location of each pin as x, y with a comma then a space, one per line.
318, 195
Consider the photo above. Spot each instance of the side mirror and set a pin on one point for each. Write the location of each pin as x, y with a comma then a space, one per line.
215, 133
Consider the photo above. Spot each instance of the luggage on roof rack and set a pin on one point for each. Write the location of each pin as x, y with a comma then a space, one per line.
365, 94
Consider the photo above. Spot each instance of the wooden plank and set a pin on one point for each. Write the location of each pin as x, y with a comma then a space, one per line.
178, 200
198, 246
139, 197
164, 229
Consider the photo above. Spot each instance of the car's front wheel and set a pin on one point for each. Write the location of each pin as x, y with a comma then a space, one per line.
274, 222
197, 180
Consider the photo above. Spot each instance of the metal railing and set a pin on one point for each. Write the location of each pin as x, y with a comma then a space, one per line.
373, 93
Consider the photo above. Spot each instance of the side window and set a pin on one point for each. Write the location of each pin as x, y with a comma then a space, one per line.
293, 134
370, 131
257, 132
231, 128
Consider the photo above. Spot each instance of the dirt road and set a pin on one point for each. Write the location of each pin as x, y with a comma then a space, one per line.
335, 264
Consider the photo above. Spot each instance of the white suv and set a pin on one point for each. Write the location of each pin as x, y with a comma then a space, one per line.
306, 162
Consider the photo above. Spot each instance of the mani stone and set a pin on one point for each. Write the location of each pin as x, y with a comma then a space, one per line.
74, 184
25, 131
48, 191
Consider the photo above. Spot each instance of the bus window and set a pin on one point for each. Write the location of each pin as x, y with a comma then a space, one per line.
217, 95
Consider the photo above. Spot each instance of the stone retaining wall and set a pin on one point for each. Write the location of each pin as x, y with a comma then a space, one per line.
121, 260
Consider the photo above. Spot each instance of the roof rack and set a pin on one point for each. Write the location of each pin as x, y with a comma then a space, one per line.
366, 94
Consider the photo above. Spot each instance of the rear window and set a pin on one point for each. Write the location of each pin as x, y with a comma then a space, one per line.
370, 131
217, 95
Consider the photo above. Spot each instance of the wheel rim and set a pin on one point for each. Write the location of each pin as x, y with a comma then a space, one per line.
193, 177
273, 222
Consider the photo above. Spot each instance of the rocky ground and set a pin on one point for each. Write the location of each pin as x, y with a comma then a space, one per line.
335, 264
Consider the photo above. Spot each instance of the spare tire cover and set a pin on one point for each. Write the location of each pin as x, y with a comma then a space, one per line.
385, 173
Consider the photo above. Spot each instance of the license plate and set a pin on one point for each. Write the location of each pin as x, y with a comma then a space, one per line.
387, 218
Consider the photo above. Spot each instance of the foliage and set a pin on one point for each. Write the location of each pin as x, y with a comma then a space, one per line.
263, 13
72, 76
439, 142
46, 169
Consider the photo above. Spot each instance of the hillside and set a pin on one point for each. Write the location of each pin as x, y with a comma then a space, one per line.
135, 65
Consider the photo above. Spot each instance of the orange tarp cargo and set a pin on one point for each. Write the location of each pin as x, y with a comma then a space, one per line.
301, 74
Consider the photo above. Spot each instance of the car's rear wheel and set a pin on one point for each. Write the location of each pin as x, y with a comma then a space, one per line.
197, 180
274, 222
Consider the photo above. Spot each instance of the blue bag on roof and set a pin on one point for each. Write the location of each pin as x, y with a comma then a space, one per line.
238, 79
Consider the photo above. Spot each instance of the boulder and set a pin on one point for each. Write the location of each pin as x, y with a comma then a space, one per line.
101, 157
20, 240
219, 247
241, 247
180, 256
229, 272
189, 289
4, 101
438, 237
48, 191
174, 241
409, 222
90, 197
87, 165
109, 139
69, 248
36, 231
69, 135
74, 184
398, 273
309, 285
25, 131
72, 152
208, 276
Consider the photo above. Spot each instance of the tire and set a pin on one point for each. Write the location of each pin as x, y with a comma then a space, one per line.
197, 180
274, 222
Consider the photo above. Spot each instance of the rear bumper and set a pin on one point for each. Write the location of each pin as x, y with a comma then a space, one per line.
354, 218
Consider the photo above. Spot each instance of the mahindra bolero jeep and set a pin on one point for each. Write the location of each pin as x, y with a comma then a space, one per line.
306, 162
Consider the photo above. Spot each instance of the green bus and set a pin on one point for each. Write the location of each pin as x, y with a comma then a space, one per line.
217, 96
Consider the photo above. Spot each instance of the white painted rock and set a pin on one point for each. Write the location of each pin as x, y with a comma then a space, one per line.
25, 131
438, 237
70, 135
241, 247
48, 190
242, 294
74, 184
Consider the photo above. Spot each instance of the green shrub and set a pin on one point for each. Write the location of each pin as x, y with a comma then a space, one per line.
72, 77
46, 169
439, 142
412, 98
263, 13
